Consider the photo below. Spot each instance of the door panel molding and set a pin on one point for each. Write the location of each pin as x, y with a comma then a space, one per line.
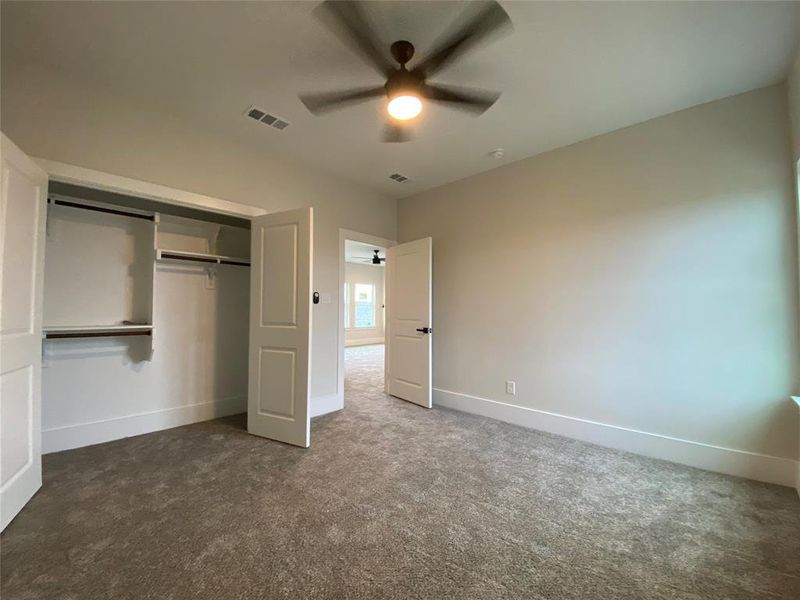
409, 323
280, 326
23, 194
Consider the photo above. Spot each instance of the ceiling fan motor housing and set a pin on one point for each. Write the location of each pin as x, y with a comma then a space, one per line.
402, 51
403, 83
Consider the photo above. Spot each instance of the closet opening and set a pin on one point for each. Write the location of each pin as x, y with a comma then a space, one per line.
145, 317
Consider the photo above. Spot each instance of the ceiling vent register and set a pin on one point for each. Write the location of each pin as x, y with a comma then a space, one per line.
398, 178
264, 117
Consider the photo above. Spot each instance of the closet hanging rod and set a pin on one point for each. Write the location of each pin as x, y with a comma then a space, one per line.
91, 331
203, 258
93, 334
102, 209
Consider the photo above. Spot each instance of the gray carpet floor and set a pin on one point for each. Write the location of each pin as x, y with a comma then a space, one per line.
393, 501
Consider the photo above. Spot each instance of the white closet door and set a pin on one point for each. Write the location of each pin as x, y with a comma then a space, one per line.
22, 220
408, 321
280, 326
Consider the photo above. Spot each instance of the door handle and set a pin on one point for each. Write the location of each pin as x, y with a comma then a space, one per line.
425, 329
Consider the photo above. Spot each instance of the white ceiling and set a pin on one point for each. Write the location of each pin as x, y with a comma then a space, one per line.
568, 71
354, 252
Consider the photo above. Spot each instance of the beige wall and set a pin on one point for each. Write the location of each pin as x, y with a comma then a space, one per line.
794, 105
646, 278
54, 118
793, 85
360, 273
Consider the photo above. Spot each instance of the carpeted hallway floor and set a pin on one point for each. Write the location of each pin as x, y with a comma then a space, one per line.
393, 501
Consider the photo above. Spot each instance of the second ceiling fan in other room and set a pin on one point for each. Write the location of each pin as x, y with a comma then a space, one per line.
375, 259
406, 89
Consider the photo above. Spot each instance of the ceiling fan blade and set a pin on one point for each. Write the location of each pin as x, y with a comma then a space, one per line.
346, 19
396, 133
471, 99
490, 18
325, 101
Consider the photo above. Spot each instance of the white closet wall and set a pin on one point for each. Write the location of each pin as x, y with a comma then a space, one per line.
97, 268
98, 272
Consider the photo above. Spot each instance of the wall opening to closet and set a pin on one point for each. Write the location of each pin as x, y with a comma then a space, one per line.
146, 309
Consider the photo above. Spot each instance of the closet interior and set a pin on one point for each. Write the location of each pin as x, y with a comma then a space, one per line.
146, 310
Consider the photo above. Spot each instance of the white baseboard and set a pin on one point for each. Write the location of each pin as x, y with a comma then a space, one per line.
797, 479
97, 432
322, 405
797, 475
761, 467
364, 342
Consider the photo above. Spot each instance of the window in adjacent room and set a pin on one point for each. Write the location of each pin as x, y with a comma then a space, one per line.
364, 299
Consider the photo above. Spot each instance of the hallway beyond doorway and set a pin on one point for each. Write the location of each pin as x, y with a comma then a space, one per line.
363, 368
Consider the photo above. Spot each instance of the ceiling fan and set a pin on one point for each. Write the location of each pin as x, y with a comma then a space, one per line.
405, 89
374, 259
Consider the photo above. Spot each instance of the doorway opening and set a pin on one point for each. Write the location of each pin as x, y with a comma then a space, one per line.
400, 360
362, 312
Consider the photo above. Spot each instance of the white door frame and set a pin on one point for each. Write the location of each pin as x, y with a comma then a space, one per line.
355, 236
99, 180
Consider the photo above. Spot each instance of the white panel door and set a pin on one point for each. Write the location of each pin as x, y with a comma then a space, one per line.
280, 326
409, 321
22, 219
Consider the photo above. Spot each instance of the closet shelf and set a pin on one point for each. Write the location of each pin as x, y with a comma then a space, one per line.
86, 331
200, 257
58, 201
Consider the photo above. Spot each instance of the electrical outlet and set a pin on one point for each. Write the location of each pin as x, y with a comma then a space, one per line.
511, 388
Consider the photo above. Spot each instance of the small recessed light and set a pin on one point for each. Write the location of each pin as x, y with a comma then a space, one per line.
497, 153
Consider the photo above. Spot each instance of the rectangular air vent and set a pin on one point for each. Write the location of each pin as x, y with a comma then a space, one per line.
398, 178
264, 117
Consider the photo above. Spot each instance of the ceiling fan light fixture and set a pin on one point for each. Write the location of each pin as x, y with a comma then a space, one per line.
404, 107
406, 89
